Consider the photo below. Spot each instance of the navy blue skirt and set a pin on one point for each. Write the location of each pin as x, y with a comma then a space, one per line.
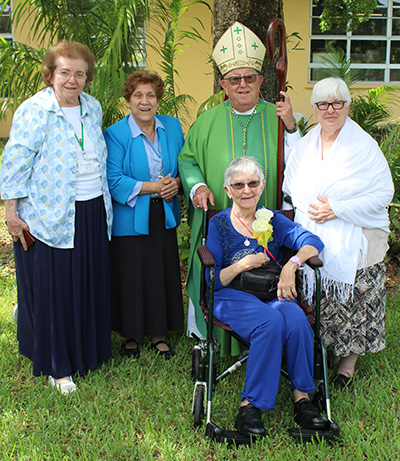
64, 317
146, 289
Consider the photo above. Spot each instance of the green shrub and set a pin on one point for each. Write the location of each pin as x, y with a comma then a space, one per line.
390, 146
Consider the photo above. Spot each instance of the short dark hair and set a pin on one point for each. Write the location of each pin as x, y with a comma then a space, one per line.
71, 50
143, 76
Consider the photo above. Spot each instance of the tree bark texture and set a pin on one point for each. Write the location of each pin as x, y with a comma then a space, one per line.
256, 15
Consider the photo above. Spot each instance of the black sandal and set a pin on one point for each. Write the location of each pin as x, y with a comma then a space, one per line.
135, 352
167, 354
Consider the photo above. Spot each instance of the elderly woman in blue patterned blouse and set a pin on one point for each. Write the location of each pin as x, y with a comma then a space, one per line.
53, 182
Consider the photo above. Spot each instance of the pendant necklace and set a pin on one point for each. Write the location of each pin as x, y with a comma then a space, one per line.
247, 241
244, 129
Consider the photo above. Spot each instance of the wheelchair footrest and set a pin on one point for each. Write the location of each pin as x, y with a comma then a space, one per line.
332, 431
220, 435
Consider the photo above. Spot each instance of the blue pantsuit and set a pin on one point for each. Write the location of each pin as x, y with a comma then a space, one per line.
267, 326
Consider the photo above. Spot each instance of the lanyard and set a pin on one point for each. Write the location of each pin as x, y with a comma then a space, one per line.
81, 141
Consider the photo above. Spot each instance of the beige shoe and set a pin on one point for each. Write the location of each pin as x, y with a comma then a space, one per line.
65, 385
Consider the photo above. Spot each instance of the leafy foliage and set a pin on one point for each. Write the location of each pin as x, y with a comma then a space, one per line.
210, 102
346, 14
171, 32
112, 29
337, 65
370, 111
391, 148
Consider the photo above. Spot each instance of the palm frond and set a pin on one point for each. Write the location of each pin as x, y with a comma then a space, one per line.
169, 39
109, 28
20, 75
337, 65
372, 110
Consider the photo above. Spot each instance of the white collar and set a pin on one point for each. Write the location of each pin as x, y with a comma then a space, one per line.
247, 112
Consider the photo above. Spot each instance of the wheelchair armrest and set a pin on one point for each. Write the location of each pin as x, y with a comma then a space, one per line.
314, 262
205, 256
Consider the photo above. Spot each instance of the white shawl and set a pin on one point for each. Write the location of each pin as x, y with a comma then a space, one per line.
354, 176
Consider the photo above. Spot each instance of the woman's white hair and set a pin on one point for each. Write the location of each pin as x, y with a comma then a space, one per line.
329, 88
248, 165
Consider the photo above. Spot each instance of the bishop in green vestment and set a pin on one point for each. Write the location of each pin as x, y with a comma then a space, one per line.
242, 125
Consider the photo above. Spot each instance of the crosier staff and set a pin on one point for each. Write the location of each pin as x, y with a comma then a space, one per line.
280, 70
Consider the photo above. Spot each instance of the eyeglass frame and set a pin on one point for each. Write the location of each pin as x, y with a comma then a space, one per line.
242, 185
67, 77
241, 77
330, 104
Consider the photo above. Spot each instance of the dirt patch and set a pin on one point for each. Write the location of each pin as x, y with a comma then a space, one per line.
393, 274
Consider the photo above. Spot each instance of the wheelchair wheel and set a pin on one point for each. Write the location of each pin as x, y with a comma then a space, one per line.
196, 364
198, 406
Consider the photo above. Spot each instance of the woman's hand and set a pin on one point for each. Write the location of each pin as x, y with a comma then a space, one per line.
170, 187
287, 280
253, 261
15, 224
247, 263
321, 212
287, 283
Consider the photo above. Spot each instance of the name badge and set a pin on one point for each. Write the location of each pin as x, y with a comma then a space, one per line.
85, 166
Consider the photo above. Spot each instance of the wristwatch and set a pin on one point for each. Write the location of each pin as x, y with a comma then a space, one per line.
296, 260
293, 130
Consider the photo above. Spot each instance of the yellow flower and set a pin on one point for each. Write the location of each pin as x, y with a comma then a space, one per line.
264, 214
262, 227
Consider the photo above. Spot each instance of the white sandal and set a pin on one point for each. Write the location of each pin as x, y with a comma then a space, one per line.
64, 388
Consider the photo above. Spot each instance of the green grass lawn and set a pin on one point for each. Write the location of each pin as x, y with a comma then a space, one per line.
141, 409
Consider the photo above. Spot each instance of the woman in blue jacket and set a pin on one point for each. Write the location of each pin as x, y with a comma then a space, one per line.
142, 172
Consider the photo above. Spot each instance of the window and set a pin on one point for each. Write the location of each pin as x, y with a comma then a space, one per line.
5, 21
141, 51
374, 47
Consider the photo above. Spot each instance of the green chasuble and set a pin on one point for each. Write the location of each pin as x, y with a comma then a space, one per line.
214, 140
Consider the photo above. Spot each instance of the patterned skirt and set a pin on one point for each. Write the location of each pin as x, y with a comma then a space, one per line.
357, 326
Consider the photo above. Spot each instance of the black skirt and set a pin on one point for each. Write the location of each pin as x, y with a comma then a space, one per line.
146, 288
64, 298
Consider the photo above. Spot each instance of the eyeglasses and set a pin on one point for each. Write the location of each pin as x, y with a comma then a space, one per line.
336, 105
241, 185
66, 74
234, 81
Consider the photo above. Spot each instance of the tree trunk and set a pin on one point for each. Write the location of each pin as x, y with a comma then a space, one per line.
256, 15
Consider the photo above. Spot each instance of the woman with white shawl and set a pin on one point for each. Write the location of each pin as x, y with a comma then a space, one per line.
341, 186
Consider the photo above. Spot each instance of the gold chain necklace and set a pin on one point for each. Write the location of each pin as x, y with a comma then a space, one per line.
244, 128
244, 152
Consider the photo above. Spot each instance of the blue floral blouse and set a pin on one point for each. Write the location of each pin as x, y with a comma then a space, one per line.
39, 166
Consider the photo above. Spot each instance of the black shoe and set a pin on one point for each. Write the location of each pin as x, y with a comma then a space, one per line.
248, 421
135, 352
167, 354
341, 381
307, 415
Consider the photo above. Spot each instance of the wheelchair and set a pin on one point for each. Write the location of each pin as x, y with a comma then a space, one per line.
204, 371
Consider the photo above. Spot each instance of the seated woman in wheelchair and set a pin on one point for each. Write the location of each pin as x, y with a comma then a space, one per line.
268, 326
